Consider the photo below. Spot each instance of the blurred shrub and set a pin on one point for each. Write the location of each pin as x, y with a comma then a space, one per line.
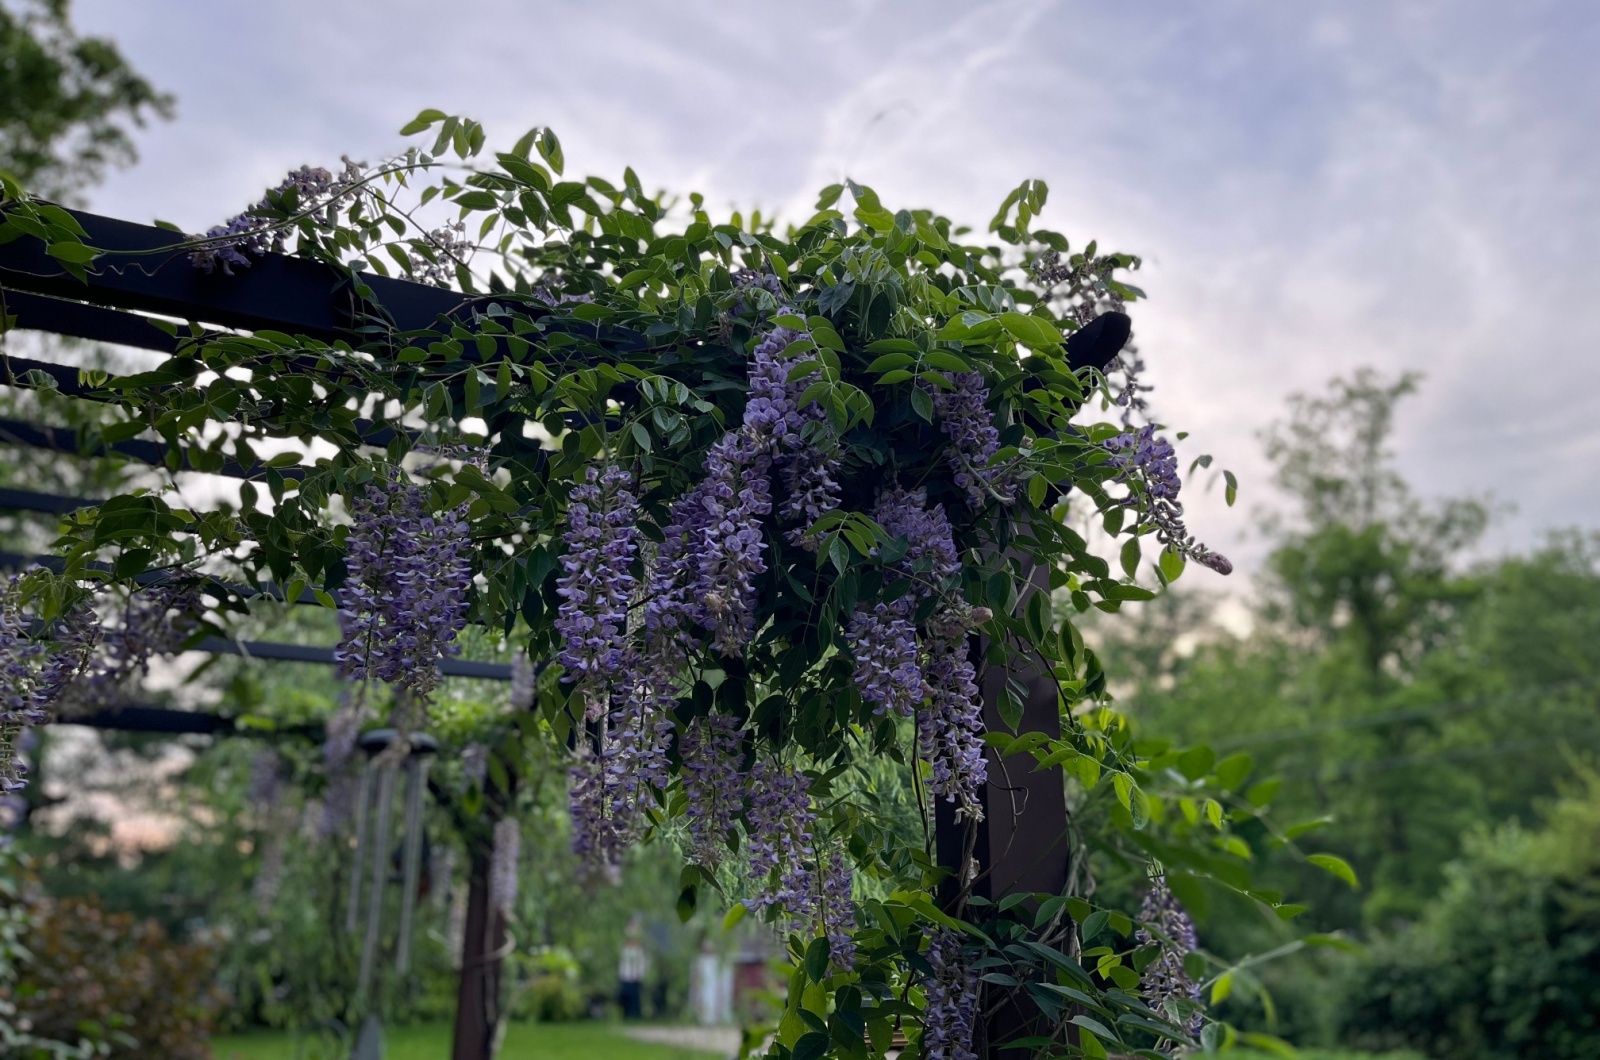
552, 993
1506, 962
87, 969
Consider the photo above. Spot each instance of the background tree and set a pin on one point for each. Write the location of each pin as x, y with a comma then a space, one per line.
1409, 695
67, 103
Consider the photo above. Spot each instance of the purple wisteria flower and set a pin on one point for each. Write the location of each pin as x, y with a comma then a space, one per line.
883, 636
715, 549
896, 669
155, 622
951, 1000
475, 764
602, 540
963, 412
612, 783
253, 233
76, 638
838, 911
523, 682
408, 588
19, 704
503, 865
338, 746
737, 496
713, 782
810, 488
950, 730
883, 640
1165, 983
1140, 454
779, 826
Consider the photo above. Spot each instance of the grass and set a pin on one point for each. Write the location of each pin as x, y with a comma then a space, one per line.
524, 1041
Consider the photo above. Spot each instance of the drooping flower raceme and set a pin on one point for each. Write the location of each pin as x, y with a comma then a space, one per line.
602, 541
408, 590
883, 641
964, 416
503, 865
838, 911
713, 782
883, 636
715, 549
253, 233
950, 730
1140, 455
951, 998
780, 821
19, 705
523, 682
1164, 980
611, 783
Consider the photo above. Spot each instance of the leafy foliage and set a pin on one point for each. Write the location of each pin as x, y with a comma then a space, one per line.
615, 350
115, 977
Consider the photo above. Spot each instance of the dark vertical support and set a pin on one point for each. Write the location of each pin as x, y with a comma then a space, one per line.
1021, 845
482, 960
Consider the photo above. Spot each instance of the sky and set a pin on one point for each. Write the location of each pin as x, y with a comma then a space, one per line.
1314, 187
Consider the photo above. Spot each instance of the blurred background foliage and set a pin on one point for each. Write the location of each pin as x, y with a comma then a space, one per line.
1430, 711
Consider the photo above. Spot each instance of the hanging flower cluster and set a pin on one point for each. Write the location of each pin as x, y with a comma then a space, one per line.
1165, 981
964, 416
951, 994
1151, 459
950, 730
898, 670
1141, 456
715, 548
40, 676
253, 233
883, 636
602, 541
713, 782
408, 588
838, 910
20, 706
503, 865
338, 746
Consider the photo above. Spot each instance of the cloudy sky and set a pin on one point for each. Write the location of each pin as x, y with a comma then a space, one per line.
1314, 187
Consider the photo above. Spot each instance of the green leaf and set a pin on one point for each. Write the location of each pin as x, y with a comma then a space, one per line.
813, 1045
1172, 565
922, 404
72, 253
424, 120
550, 150
1338, 866
1092, 1024
1233, 770
1196, 762
1232, 491
1130, 556
817, 959
735, 913
1033, 332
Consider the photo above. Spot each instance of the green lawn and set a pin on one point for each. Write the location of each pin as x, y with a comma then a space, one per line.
533, 1041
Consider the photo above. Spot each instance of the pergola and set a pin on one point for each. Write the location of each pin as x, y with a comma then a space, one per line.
1020, 846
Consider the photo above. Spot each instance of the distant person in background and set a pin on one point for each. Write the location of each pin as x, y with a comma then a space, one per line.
631, 970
